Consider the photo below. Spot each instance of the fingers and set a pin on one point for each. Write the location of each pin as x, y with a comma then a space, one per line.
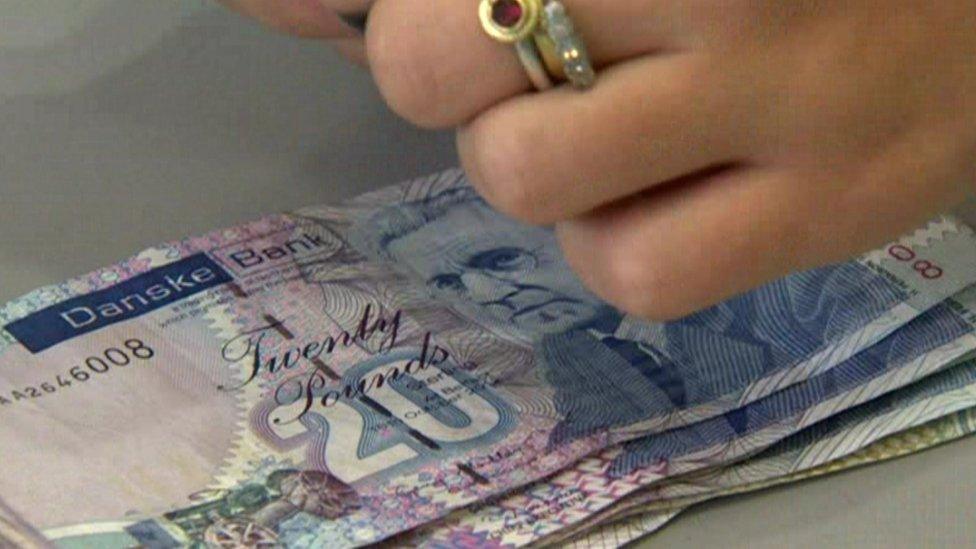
551, 156
306, 18
355, 14
352, 49
672, 251
436, 67
341, 22
355, 20
349, 6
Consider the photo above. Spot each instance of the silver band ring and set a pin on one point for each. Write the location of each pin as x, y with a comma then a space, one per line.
534, 66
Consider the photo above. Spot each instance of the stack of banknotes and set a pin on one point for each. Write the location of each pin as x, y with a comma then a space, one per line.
412, 368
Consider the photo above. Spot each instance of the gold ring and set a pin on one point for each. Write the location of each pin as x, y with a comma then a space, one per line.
510, 21
547, 51
544, 35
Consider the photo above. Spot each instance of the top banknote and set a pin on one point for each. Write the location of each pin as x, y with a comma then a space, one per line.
341, 374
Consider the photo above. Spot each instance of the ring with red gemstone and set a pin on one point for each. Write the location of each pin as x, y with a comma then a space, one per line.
545, 38
510, 21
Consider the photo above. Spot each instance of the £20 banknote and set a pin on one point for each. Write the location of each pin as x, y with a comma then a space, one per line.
343, 374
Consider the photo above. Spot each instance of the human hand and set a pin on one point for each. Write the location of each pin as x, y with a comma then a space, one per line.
318, 19
725, 144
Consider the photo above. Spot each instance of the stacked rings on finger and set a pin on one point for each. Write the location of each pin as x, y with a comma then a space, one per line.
547, 43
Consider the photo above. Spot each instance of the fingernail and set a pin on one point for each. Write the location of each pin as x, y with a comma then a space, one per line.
355, 20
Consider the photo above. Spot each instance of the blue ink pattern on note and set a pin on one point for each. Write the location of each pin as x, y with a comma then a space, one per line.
608, 370
937, 327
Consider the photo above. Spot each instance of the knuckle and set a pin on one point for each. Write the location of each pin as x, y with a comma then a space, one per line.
404, 66
508, 175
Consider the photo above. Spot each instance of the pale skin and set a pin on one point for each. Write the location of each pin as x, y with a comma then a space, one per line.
726, 143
